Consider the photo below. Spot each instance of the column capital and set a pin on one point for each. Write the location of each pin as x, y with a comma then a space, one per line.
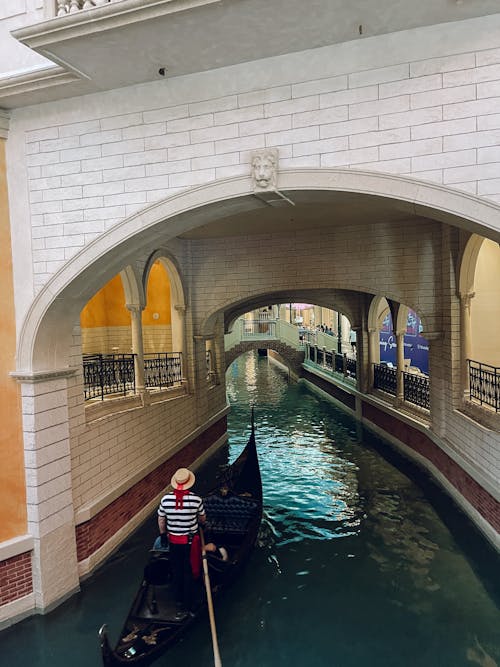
4, 123
180, 309
466, 297
134, 307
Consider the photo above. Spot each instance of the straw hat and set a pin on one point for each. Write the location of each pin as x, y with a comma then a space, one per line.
182, 479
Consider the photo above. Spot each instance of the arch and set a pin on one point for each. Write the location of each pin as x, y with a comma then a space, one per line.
293, 358
177, 295
132, 287
467, 269
45, 334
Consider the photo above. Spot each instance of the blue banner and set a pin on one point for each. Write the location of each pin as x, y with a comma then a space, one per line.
416, 346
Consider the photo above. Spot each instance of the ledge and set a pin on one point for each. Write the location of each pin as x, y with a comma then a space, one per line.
32, 377
16, 546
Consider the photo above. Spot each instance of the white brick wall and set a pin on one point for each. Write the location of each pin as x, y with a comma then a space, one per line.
435, 119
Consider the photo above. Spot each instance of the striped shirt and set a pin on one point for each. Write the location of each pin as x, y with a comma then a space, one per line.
181, 521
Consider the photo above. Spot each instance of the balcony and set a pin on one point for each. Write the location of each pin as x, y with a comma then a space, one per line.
98, 45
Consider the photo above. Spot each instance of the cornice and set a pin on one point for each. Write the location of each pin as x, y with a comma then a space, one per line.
99, 19
32, 377
4, 123
36, 80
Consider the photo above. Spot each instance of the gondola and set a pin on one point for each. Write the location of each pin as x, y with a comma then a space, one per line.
234, 512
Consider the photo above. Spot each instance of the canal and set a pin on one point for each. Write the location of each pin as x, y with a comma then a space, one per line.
361, 561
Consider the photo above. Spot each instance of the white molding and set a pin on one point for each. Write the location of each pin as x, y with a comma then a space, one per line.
42, 376
36, 80
16, 546
15, 611
4, 123
99, 19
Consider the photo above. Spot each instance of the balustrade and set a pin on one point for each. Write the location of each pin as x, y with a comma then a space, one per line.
484, 381
416, 389
112, 374
257, 329
162, 369
385, 378
106, 374
63, 7
332, 361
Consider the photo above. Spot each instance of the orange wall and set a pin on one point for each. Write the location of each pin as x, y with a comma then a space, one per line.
12, 482
157, 297
107, 307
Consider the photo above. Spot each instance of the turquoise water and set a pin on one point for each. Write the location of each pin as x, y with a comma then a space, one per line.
361, 560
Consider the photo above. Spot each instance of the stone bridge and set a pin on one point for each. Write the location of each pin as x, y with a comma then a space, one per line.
291, 357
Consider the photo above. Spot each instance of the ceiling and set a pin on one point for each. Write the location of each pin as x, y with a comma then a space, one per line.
338, 208
126, 42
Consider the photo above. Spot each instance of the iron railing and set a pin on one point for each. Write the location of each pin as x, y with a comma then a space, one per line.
385, 378
332, 361
162, 369
416, 390
484, 382
106, 374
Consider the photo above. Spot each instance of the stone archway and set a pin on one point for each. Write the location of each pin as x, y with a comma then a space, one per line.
293, 358
45, 336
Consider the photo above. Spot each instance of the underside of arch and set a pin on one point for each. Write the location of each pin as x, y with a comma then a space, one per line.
45, 334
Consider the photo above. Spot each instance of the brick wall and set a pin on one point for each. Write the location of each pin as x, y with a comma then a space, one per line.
15, 578
487, 506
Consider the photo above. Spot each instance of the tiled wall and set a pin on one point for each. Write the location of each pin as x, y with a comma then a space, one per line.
434, 119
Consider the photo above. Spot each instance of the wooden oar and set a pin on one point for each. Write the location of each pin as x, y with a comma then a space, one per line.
208, 588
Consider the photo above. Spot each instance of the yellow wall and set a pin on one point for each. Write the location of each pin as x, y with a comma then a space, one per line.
485, 306
107, 307
12, 482
157, 297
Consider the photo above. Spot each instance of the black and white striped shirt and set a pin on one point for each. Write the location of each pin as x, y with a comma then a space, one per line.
181, 521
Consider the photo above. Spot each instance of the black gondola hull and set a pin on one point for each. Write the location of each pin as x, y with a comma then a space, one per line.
234, 512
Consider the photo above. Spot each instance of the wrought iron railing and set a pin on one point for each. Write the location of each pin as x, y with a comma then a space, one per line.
385, 378
111, 374
332, 361
416, 389
162, 369
107, 374
484, 382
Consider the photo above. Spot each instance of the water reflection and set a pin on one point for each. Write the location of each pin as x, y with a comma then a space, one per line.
354, 566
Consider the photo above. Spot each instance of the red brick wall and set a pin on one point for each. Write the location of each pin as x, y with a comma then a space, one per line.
16, 578
343, 396
94, 533
481, 500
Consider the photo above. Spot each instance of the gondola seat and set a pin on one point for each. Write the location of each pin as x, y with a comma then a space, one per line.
230, 514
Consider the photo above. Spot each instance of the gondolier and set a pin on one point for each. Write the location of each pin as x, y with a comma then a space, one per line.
179, 514
234, 511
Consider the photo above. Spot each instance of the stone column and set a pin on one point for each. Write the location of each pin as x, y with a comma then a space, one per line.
465, 340
362, 359
438, 383
48, 485
400, 364
179, 335
373, 353
137, 345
